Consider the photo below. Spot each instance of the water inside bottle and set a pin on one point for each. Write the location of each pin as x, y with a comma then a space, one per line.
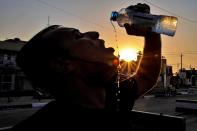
167, 25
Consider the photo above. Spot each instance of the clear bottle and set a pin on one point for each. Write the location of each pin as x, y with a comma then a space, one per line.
161, 24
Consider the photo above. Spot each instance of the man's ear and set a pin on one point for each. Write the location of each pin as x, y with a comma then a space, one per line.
61, 65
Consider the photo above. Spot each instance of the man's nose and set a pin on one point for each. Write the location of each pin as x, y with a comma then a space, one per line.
92, 34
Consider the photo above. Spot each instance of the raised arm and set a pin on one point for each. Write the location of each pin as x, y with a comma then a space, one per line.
149, 66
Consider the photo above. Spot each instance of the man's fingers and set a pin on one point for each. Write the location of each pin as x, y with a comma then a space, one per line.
128, 29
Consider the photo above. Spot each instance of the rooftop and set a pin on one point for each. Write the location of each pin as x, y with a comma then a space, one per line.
12, 44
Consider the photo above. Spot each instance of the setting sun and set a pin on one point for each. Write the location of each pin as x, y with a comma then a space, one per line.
128, 54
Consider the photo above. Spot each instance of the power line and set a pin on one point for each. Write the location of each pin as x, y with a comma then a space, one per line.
184, 52
106, 28
184, 18
69, 13
76, 16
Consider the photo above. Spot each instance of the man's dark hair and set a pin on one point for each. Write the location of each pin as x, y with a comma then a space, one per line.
34, 56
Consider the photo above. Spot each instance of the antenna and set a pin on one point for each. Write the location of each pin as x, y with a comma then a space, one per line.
48, 24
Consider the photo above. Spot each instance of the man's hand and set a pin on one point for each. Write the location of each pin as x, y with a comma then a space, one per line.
137, 30
143, 8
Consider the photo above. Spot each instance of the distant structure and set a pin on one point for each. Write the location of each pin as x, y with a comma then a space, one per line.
12, 79
163, 85
188, 78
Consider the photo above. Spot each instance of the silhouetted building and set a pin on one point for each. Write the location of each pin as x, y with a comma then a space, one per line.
11, 77
188, 78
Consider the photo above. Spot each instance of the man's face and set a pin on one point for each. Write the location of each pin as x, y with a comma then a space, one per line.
86, 49
87, 46
95, 58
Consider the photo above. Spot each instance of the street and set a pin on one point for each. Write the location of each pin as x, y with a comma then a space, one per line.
164, 105
13, 116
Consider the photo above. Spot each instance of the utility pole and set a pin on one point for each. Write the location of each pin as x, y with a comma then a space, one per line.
181, 61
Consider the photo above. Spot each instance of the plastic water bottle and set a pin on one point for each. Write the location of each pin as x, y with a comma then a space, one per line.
161, 24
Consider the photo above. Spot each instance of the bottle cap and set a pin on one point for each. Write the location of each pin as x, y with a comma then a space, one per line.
114, 16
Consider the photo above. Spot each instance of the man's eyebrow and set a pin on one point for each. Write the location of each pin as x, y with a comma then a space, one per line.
75, 31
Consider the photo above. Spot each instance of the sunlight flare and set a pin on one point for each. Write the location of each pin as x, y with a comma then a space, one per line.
128, 54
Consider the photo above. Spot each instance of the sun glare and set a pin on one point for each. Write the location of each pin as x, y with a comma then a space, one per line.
128, 54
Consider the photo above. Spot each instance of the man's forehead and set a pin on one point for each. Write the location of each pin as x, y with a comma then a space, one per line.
67, 29
73, 29
61, 29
